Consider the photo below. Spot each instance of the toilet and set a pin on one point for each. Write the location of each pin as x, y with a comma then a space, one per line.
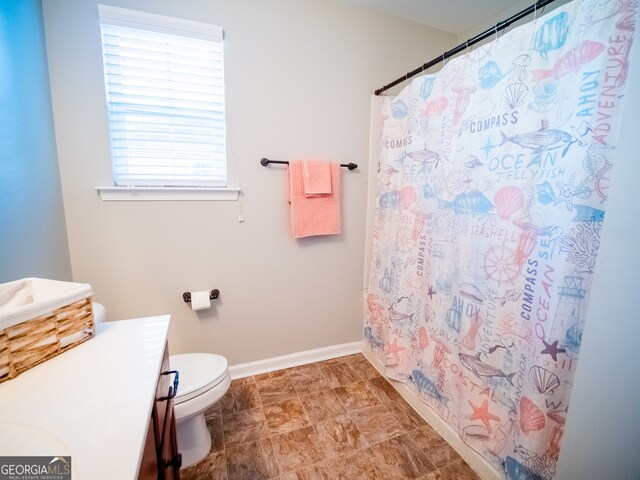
204, 378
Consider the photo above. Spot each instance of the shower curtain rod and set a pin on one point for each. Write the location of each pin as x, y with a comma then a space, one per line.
470, 42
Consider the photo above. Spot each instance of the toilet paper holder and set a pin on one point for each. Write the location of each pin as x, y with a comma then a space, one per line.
215, 293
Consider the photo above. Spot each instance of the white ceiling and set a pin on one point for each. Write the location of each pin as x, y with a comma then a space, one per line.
456, 16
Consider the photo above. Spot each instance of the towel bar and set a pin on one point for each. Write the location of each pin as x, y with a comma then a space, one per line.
265, 161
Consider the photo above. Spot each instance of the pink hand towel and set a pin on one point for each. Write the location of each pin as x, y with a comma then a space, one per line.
317, 177
316, 215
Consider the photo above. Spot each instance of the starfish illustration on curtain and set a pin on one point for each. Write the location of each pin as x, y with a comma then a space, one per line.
482, 413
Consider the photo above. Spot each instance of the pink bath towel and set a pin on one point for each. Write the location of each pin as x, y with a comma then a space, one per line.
315, 215
317, 177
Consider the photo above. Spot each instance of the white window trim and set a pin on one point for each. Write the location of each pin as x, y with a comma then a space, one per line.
141, 20
119, 194
124, 17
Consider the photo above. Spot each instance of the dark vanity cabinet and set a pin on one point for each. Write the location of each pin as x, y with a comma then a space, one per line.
160, 459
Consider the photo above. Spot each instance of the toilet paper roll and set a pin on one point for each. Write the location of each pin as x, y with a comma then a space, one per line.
200, 300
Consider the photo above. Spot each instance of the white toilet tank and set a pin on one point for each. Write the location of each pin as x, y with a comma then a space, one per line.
99, 312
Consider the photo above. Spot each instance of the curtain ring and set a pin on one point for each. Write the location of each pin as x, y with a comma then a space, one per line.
496, 32
467, 47
535, 10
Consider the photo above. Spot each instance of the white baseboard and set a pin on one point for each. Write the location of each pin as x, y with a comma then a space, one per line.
293, 360
481, 466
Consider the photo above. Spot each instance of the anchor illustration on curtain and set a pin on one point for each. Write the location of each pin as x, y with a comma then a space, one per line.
492, 184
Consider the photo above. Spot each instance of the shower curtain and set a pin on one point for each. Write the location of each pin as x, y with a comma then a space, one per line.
492, 184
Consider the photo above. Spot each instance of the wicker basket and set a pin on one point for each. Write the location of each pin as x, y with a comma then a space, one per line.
40, 319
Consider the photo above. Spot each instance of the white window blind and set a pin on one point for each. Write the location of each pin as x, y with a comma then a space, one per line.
164, 82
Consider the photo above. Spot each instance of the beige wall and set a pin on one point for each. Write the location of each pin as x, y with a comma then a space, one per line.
513, 8
299, 76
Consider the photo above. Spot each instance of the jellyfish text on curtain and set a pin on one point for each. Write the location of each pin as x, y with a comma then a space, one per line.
492, 184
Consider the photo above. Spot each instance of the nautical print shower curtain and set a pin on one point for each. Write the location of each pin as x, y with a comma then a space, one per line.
492, 184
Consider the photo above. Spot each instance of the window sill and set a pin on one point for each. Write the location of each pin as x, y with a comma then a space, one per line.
109, 194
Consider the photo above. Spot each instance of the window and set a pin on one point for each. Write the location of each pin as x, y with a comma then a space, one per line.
165, 95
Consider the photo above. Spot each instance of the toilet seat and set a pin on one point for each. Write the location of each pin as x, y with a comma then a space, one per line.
204, 380
199, 373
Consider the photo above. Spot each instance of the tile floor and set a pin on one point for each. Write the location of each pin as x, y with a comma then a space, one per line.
337, 420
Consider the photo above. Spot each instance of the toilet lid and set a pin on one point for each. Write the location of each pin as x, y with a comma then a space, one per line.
198, 372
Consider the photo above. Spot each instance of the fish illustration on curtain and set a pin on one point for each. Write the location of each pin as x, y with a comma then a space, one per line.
492, 187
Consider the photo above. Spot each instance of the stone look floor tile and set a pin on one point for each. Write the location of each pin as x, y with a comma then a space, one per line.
298, 449
437, 475
376, 423
276, 389
442, 455
213, 410
244, 426
356, 396
402, 454
406, 416
216, 430
331, 420
339, 374
427, 437
385, 392
308, 378
459, 470
310, 371
334, 361
363, 368
321, 405
213, 466
243, 380
319, 471
339, 435
252, 461
276, 374
361, 465
286, 416
242, 395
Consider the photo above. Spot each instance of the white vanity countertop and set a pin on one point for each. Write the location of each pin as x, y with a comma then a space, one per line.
93, 401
